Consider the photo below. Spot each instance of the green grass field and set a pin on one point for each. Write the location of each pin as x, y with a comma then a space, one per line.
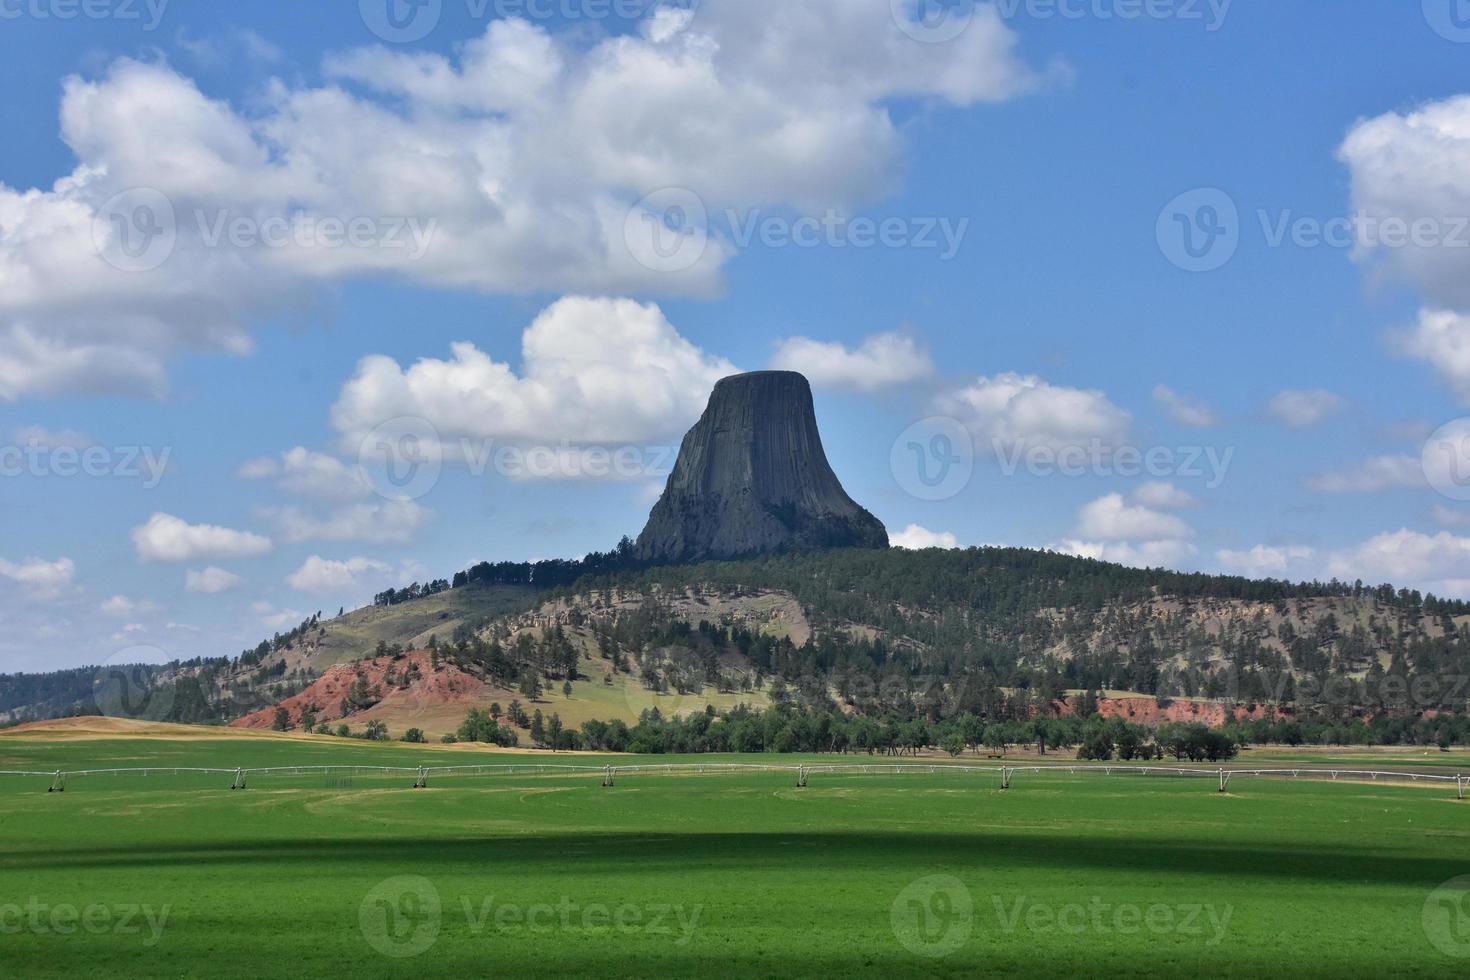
741, 875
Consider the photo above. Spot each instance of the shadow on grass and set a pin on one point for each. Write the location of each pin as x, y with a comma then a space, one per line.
672, 852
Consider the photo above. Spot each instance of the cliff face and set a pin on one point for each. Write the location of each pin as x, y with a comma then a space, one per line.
752, 478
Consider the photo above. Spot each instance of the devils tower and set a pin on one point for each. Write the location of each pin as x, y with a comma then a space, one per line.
752, 478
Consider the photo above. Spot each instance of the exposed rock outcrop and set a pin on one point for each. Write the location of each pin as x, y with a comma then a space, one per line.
752, 478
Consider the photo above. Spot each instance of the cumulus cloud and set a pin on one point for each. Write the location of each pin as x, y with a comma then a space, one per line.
318, 574
277, 619
1111, 518
35, 435
40, 578
384, 522
309, 474
516, 165
1413, 169
165, 538
1303, 409
1163, 495
1441, 338
594, 371
1372, 476
118, 605
1439, 562
1266, 561
881, 361
1145, 554
1110, 529
1011, 413
916, 538
1449, 517
210, 581
1183, 410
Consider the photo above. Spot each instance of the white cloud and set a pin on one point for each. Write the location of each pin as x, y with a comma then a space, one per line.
385, 522
594, 371
41, 579
1303, 409
35, 435
1183, 410
1440, 562
309, 474
1372, 476
1449, 517
881, 361
210, 581
1165, 496
1111, 519
916, 538
118, 605
1013, 412
522, 157
166, 538
1414, 168
1109, 529
277, 619
1146, 554
318, 574
1442, 338
1265, 561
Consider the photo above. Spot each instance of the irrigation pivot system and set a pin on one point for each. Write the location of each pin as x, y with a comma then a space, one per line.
423, 776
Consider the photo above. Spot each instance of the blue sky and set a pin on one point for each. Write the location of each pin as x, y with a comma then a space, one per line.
1286, 394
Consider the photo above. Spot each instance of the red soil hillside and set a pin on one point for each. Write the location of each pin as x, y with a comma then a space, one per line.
1143, 710
405, 689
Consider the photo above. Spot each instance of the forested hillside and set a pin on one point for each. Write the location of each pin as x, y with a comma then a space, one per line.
997, 633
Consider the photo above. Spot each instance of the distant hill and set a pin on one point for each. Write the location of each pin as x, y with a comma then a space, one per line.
999, 633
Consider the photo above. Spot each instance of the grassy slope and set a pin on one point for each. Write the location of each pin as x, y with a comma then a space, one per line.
1318, 879
355, 635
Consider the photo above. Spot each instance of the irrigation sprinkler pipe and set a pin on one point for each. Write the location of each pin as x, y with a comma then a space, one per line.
803, 771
